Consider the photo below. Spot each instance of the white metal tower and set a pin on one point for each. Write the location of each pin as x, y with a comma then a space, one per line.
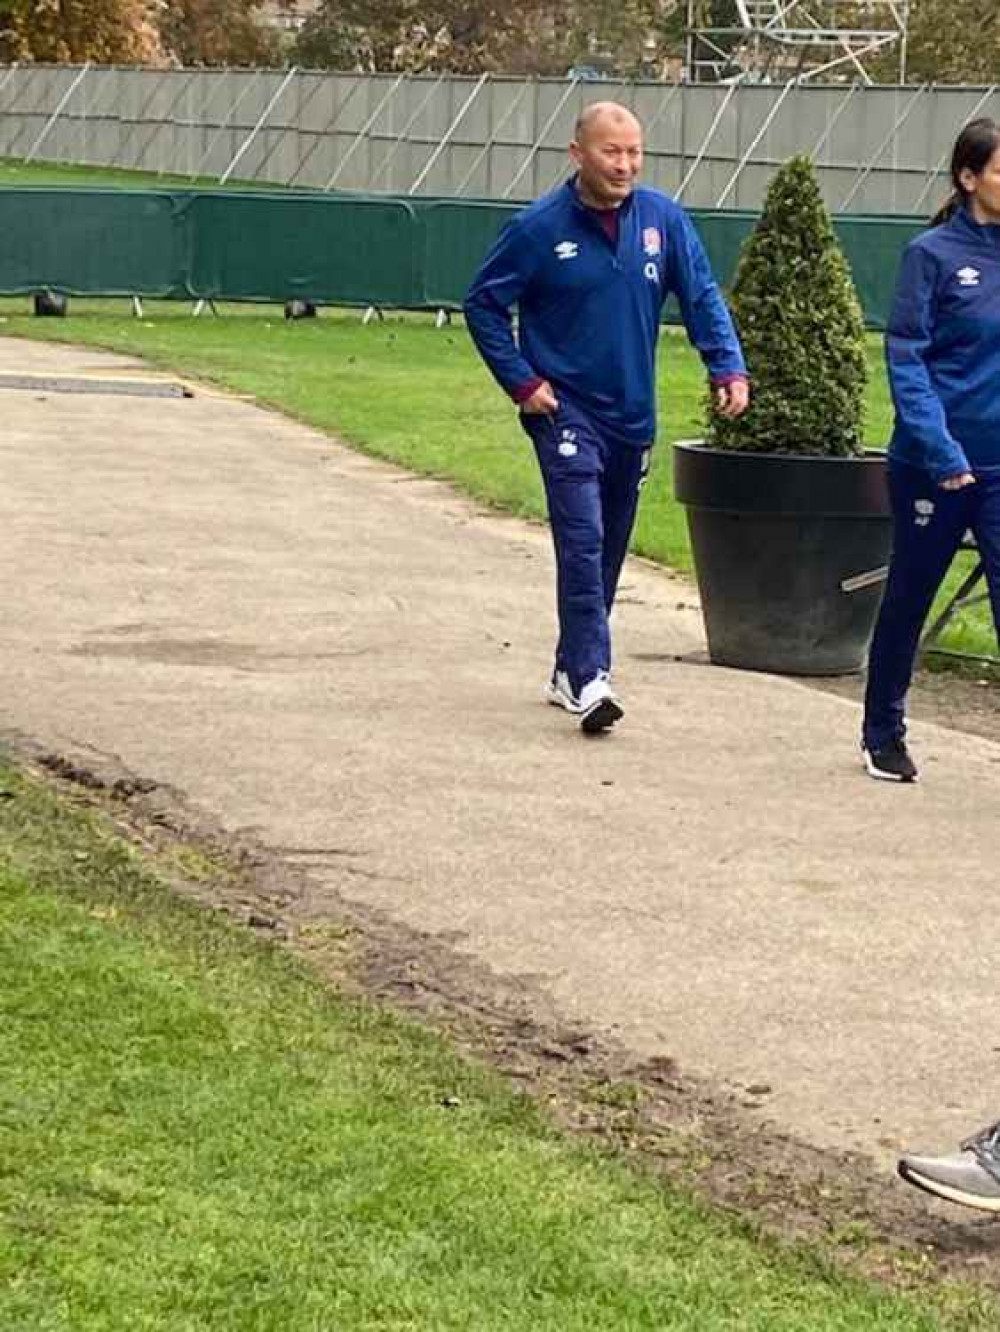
773, 41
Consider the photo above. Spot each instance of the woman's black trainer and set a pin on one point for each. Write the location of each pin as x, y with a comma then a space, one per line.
891, 762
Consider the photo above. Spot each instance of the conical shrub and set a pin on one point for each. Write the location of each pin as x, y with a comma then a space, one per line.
802, 329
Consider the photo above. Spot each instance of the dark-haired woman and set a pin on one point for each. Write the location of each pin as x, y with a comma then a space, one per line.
943, 352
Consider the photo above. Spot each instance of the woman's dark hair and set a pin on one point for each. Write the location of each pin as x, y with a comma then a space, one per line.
973, 149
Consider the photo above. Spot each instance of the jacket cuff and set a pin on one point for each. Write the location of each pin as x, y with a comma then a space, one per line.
734, 377
524, 391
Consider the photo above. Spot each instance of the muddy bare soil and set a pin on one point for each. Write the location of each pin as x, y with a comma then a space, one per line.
966, 700
715, 1143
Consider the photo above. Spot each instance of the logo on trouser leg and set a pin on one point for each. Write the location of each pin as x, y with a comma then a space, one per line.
924, 511
567, 444
647, 456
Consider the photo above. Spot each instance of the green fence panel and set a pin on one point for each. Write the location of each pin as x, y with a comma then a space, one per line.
334, 250
874, 246
330, 249
723, 234
457, 236
92, 242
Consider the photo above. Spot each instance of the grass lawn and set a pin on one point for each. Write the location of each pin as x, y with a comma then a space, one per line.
14, 172
197, 1135
419, 396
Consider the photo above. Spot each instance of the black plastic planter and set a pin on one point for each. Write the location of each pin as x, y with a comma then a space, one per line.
790, 554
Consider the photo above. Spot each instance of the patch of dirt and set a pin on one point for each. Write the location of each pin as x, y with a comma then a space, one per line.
714, 1144
964, 699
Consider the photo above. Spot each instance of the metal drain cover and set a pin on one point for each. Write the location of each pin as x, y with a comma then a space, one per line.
136, 388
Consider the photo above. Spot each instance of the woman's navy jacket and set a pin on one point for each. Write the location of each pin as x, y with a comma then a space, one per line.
943, 350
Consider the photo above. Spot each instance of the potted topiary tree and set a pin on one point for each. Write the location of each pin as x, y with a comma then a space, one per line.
788, 513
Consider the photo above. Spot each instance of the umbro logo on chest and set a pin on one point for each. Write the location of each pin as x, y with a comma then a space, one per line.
968, 276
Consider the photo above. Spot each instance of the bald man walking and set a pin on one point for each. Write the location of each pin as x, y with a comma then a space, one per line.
588, 268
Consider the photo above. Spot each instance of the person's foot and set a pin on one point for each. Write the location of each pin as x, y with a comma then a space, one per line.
970, 1176
559, 692
891, 762
598, 707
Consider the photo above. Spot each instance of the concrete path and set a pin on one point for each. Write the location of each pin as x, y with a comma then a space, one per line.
348, 660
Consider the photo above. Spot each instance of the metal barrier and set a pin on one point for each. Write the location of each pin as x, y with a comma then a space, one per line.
100, 242
247, 247
338, 249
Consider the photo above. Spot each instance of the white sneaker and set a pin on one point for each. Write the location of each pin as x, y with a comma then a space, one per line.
598, 708
560, 694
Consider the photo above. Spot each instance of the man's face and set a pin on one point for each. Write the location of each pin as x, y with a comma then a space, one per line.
608, 156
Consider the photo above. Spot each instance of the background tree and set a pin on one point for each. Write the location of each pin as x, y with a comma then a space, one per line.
107, 31
622, 37
217, 32
463, 36
954, 41
10, 42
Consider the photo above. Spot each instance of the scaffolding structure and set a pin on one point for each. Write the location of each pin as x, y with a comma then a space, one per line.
778, 41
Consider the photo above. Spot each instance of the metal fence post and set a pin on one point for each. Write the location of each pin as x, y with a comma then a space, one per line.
760, 134
900, 121
401, 136
933, 175
138, 120
9, 75
286, 130
31, 73
707, 140
536, 146
159, 124
63, 102
831, 124
448, 133
491, 138
363, 131
662, 109
649, 152
247, 143
221, 129
320, 135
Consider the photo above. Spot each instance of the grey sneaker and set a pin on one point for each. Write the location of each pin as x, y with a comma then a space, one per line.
970, 1176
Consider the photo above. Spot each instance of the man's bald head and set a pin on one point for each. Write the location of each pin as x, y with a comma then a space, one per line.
607, 152
599, 116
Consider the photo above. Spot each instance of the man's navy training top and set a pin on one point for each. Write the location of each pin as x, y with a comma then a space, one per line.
589, 311
943, 350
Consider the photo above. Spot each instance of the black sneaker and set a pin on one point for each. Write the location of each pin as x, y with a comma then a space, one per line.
891, 762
